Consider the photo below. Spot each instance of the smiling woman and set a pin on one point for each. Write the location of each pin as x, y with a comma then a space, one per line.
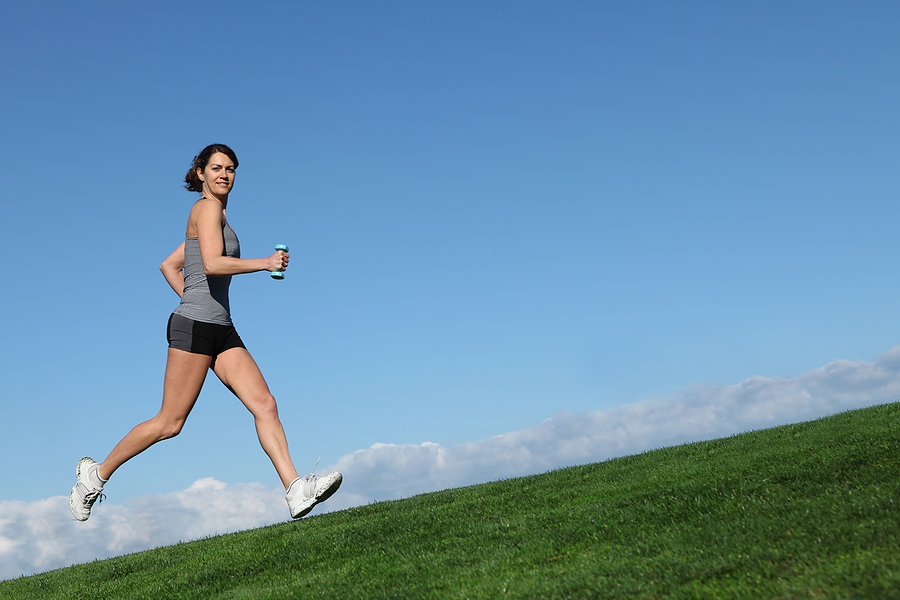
203, 338
193, 181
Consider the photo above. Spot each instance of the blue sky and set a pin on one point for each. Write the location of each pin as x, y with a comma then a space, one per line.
497, 212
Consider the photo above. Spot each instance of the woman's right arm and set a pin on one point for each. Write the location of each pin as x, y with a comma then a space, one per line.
207, 218
172, 270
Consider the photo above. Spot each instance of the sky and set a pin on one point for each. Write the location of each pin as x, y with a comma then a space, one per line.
524, 235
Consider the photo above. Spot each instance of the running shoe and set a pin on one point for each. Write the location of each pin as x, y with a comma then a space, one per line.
86, 491
305, 492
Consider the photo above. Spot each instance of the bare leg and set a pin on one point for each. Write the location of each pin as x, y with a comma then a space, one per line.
185, 374
239, 372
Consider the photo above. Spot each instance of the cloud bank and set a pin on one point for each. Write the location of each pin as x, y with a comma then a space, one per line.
700, 412
39, 536
43, 535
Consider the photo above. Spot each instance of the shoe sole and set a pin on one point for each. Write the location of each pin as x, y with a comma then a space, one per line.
78, 466
321, 496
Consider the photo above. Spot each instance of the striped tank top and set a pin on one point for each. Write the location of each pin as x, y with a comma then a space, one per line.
206, 296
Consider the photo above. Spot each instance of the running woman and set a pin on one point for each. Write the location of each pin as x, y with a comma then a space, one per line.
202, 338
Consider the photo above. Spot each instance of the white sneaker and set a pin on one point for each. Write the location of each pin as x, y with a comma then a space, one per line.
306, 492
87, 490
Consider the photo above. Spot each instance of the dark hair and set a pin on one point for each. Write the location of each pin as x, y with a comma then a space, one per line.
192, 180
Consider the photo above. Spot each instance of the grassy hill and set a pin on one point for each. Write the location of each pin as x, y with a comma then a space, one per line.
799, 511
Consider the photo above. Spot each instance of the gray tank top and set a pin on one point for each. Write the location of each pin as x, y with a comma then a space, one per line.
206, 296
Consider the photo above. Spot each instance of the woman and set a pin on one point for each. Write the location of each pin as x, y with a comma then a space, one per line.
201, 338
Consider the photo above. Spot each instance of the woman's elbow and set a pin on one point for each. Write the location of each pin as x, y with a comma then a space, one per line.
168, 266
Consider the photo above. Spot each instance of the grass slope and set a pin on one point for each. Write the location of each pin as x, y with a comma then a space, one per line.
799, 511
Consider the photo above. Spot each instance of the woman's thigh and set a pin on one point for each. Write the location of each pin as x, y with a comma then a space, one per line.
185, 374
240, 374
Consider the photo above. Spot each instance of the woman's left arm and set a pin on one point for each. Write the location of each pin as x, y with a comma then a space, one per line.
172, 270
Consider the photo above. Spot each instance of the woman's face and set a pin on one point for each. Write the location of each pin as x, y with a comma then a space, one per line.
218, 175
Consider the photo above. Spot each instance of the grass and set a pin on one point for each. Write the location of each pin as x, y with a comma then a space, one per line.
800, 511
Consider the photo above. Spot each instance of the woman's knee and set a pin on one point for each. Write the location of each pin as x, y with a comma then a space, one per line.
168, 428
264, 407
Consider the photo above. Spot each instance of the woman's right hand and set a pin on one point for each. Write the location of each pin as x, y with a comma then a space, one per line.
278, 261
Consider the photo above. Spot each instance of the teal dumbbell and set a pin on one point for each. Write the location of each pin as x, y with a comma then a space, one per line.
279, 274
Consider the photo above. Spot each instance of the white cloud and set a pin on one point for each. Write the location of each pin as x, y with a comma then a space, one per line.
42, 535
701, 412
38, 536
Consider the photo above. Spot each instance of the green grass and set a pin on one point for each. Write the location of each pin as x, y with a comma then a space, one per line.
799, 511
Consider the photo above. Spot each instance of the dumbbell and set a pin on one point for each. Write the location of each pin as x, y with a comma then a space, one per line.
279, 274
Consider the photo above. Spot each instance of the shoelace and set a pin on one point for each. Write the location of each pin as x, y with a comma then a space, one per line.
97, 497
89, 498
312, 474
308, 485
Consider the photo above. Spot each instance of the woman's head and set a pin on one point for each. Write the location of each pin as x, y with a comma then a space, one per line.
192, 181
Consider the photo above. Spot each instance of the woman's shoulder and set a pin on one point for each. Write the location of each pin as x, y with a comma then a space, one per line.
208, 202
206, 207
204, 211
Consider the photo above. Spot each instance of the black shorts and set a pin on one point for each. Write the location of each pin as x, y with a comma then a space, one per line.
198, 337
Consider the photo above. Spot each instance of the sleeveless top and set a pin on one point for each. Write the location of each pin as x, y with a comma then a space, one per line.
205, 296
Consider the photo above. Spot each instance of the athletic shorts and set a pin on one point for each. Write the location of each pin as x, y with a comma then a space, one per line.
198, 337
